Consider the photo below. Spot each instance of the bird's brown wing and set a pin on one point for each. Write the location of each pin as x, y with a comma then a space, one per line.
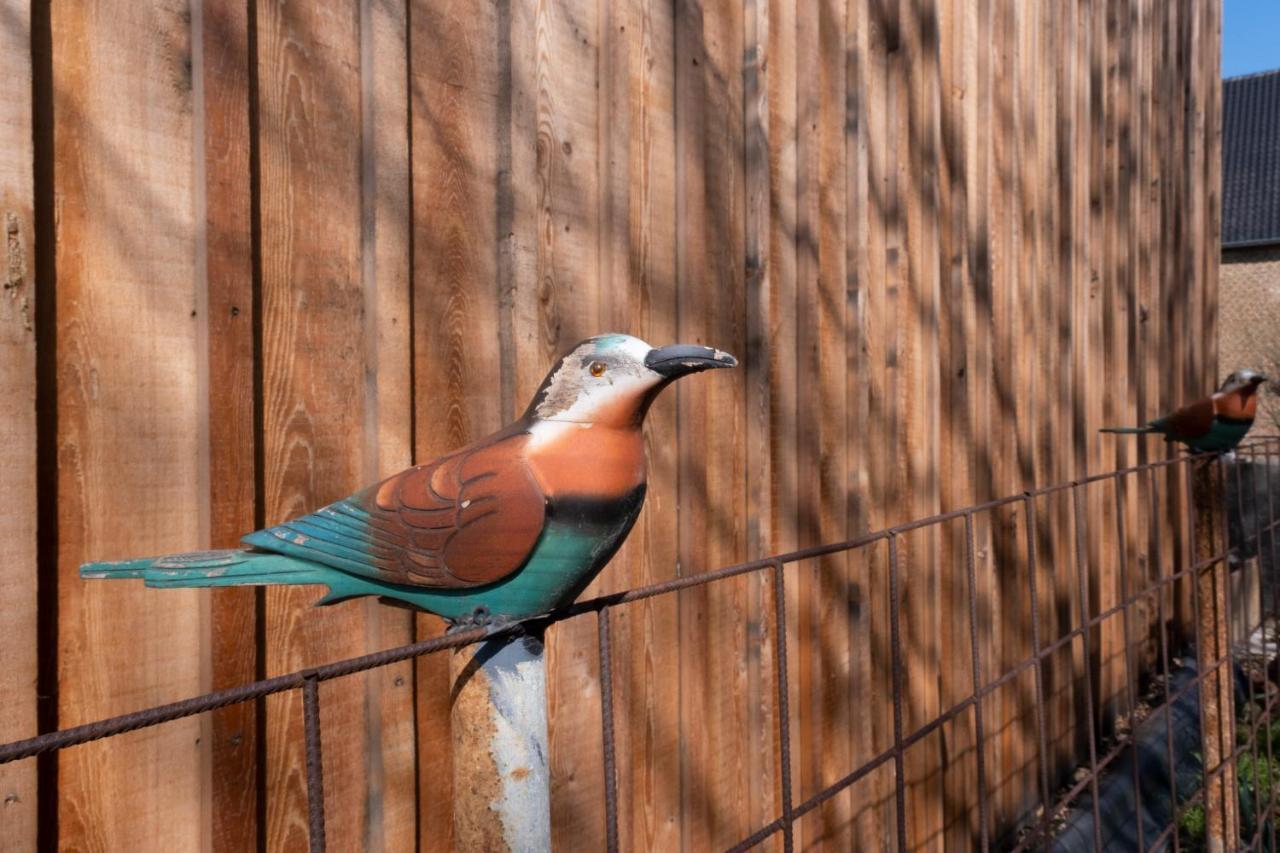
1189, 422
464, 520
469, 520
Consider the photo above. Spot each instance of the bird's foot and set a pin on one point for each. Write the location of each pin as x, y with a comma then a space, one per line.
480, 617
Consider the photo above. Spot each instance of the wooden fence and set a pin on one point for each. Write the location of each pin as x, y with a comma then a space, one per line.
260, 254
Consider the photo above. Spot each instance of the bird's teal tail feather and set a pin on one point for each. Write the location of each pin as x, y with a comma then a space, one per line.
1127, 430
209, 568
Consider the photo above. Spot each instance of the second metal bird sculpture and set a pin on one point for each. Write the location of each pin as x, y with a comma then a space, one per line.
1216, 423
508, 527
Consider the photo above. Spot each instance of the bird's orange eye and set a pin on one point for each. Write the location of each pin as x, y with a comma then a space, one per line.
597, 368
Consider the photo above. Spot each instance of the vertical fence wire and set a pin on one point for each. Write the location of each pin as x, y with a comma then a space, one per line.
315, 769
1130, 677
976, 660
895, 642
784, 712
1166, 593
1082, 569
1042, 748
606, 723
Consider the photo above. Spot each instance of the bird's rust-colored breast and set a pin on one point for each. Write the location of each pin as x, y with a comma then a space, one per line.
587, 460
1239, 405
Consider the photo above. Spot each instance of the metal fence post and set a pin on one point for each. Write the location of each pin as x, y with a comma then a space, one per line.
501, 781
1217, 712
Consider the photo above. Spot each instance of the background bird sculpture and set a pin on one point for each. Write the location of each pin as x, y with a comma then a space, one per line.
508, 527
1216, 423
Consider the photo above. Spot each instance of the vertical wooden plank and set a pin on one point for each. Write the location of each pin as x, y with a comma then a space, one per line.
130, 417
18, 581
861, 604
729, 605
1062, 271
1208, 64
1112, 290
691, 414
313, 387
883, 283
829, 364
698, 103
808, 461
456, 125
621, 29
920, 402
806, 622
1010, 586
1095, 319
956, 429
1083, 284
653, 674
764, 794
783, 329
555, 126
223, 85
388, 398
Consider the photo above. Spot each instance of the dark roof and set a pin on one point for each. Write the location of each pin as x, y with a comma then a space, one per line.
1251, 159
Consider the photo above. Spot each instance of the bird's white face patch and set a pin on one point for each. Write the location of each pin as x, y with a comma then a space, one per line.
596, 377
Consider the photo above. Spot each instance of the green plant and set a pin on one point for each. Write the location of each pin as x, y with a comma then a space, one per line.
1191, 828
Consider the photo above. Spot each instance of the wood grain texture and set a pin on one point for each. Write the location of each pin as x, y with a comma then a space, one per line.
456, 126
571, 245
385, 240
313, 390
129, 480
18, 575
947, 239
222, 77
652, 722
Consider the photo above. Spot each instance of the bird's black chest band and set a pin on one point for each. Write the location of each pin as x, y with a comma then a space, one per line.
595, 510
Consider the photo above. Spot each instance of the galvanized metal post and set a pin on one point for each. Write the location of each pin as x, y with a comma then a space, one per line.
501, 780
1217, 711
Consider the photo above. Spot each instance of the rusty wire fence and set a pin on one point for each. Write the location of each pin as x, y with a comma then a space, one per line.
1226, 798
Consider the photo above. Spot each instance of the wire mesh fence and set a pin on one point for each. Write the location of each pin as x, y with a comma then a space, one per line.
1176, 744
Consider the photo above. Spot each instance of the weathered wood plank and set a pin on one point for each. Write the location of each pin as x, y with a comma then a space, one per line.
883, 285
388, 402
313, 389
859, 602
723, 449
764, 794
18, 575
557, 297
782, 69
129, 419
649, 782
920, 404
805, 575
456, 125
698, 815
830, 366
234, 645
956, 428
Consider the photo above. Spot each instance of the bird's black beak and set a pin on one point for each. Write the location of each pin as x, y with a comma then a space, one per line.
681, 359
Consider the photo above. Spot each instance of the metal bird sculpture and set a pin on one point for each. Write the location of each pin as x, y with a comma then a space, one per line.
1216, 423
508, 527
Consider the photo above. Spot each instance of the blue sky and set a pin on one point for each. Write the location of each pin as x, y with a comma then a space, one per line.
1250, 36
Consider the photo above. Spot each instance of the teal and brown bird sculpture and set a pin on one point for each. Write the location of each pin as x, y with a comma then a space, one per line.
508, 527
1216, 423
